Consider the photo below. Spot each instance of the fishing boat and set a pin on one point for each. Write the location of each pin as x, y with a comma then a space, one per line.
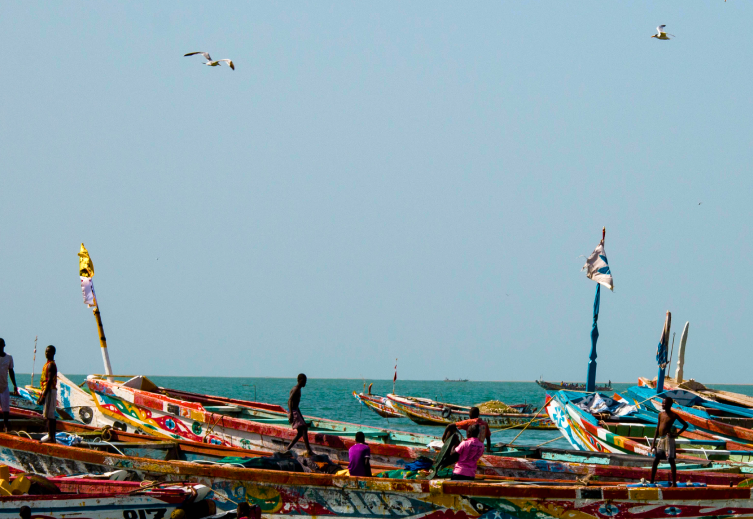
424, 411
310, 494
692, 386
379, 404
725, 421
97, 499
601, 423
103, 451
456, 380
147, 408
571, 386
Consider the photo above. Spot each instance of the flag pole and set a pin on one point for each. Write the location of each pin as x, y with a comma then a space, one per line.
102, 340
591, 379
34, 360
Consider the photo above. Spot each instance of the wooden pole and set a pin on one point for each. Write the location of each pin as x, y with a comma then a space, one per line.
34, 360
102, 340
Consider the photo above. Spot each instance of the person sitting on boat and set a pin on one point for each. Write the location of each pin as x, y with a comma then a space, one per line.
359, 456
246, 511
295, 417
6, 369
464, 425
666, 446
48, 383
469, 452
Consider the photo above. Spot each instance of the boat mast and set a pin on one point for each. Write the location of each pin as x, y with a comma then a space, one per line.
86, 271
681, 354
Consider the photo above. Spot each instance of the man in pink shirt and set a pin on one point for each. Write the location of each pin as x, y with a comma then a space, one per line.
469, 452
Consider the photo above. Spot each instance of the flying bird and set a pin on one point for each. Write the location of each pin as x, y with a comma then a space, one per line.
209, 61
661, 34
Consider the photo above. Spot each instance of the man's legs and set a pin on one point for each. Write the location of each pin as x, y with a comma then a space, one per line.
674, 471
5, 404
302, 433
654, 467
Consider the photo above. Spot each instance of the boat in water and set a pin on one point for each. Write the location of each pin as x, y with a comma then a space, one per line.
571, 386
379, 404
425, 411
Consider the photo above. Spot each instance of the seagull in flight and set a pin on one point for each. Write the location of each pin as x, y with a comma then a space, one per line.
210, 62
661, 34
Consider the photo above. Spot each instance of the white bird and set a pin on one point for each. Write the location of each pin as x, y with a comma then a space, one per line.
209, 61
661, 34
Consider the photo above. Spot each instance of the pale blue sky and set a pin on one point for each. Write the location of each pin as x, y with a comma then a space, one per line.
377, 180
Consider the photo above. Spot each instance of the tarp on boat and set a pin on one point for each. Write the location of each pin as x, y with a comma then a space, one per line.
598, 403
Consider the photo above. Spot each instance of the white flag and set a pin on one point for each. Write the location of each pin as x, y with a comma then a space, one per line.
87, 289
597, 267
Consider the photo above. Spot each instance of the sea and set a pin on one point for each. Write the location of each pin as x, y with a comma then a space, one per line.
333, 398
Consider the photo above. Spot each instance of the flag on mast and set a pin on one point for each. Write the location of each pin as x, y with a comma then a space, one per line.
394, 379
597, 266
86, 272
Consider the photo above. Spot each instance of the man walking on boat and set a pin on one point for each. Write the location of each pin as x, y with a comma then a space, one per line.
49, 386
295, 417
666, 446
6, 369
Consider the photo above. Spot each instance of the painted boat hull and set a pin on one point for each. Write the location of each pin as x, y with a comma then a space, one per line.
309, 495
167, 457
90, 499
379, 404
428, 412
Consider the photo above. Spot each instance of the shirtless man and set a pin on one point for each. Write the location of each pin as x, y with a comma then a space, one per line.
296, 418
666, 446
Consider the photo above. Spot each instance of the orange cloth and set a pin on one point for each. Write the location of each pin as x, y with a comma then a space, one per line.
49, 376
483, 427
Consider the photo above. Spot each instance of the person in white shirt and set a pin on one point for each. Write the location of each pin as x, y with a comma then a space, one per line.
6, 368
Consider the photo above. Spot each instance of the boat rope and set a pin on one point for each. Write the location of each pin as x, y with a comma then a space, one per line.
100, 440
517, 426
526, 427
27, 434
548, 441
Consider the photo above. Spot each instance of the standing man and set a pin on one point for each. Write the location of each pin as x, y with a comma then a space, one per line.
359, 456
6, 368
666, 446
49, 386
296, 418
469, 452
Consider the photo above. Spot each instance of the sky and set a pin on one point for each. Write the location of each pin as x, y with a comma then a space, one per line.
410, 180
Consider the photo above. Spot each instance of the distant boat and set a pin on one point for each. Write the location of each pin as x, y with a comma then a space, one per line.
456, 380
424, 411
571, 386
379, 404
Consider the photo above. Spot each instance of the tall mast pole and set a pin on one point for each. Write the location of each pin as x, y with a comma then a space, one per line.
102, 339
591, 379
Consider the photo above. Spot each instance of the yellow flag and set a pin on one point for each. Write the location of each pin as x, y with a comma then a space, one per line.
85, 265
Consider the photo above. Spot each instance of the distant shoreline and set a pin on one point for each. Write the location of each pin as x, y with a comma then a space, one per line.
389, 380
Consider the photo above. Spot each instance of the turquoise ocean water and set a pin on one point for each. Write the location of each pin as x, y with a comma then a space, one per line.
332, 398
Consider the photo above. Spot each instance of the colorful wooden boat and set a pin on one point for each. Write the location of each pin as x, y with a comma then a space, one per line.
379, 404
309, 495
631, 434
571, 386
73, 403
97, 499
536, 463
173, 413
424, 411
730, 422
718, 395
